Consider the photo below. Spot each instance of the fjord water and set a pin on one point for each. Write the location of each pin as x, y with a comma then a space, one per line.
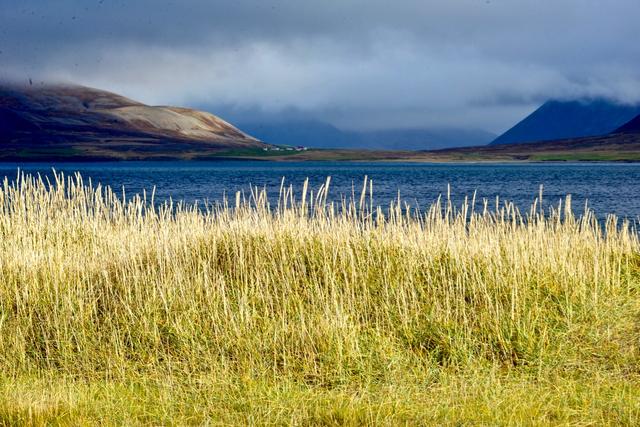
609, 188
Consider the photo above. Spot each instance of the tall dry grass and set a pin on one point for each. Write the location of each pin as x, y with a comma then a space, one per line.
122, 310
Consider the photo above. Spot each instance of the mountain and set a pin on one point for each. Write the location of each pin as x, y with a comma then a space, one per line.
309, 133
424, 139
610, 147
317, 134
569, 119
67, 120
622, 144
632, 126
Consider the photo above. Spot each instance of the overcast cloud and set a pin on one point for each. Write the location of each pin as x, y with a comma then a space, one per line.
355, 63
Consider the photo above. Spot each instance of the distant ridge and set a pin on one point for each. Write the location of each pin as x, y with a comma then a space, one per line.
317, 134
569, 119
309, 133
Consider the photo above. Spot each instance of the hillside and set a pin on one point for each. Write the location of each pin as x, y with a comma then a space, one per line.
569, 119
60, 121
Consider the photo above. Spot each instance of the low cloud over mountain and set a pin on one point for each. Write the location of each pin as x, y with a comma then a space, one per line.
356, 64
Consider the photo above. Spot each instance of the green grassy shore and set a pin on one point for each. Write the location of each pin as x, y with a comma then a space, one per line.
122, 313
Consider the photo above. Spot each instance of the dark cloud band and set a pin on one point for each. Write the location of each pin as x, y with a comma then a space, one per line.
359, 63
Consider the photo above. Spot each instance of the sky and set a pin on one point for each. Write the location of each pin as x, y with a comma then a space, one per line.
358, 64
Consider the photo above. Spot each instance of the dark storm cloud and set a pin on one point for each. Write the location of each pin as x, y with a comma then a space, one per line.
356, 63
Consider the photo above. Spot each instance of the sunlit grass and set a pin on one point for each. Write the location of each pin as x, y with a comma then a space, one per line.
306, 312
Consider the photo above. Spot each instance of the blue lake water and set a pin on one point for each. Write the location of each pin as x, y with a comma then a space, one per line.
608, 187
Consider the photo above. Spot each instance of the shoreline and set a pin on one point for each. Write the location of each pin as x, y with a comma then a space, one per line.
340, 156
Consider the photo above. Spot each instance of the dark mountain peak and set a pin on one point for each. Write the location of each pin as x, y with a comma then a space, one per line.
632, 126
560, 119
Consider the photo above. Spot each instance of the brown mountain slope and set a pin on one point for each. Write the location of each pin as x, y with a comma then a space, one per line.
74, 121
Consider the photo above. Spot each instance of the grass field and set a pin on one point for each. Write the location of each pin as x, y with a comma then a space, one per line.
305, 313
